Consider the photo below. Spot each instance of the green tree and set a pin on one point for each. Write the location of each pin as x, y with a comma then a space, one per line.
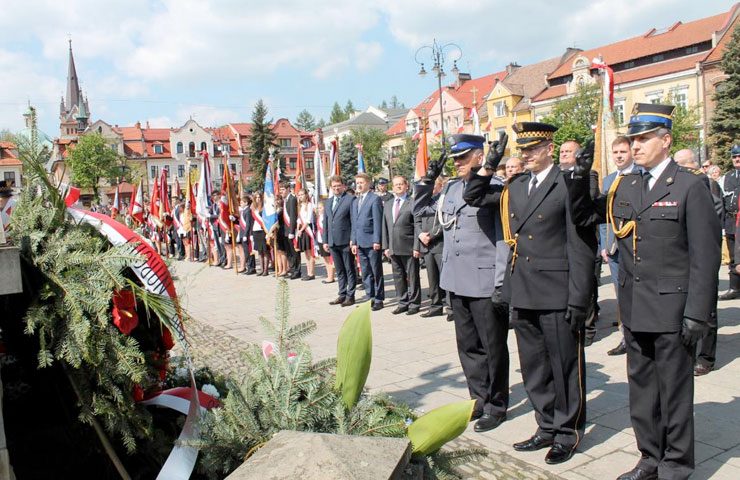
724, 128
305, 121
321, 123
574, 116
685, 131
337, 114
383, 105
91, 161
373, 152
349, 109
6, 136
395, 103
260, 141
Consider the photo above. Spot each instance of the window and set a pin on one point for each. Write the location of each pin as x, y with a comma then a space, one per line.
154, 171
681, 99
179, 147
306, 143
499, 131
221, 170
113, 147
181, 171
499, 109
309, 164
191, 149
630, 64
619, 114
692, 49
655, 100
658, 58
232, 166
285, 142
292, 163
158, 149
9, 178
203, 146
166, 171
226, 148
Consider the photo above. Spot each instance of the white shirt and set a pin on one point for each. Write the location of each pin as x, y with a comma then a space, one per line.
400, 206
627, 170
540, 177
656, 172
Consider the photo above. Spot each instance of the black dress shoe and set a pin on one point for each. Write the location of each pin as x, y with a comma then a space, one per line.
412, 311
450, 317
536, 442
337, 301
638, 474
295, 275
620, 349
399, 309
376, 306
559, 453
250, 272
327, 282
308, 278
488, 422
476, 415
730, 295
701, 369
432, 313
348, 302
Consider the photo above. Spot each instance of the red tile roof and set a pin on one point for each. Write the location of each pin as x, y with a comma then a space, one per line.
398, 128
715, 55
552, 92
658, 69
7, 154
482, 87
652, 42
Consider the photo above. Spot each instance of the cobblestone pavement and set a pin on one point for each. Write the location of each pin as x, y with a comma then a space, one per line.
415, 360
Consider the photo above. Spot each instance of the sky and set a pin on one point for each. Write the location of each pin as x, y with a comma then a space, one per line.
164, 61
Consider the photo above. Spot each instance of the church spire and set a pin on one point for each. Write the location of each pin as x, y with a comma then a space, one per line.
73, 86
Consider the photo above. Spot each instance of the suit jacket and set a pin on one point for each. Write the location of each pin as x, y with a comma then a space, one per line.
470, 234
367, 221
426, 219
400, 237
291, 208
555, 256
338, 223
673, 273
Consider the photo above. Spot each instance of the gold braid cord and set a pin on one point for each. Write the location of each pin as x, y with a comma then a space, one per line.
511, 240
625, 229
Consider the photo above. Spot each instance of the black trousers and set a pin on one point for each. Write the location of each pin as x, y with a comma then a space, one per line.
406, 280
294, 258
371, 264
481, 329
434, 268
554, 373
592, 313
660, 373
344, 265
707, 346
734, 277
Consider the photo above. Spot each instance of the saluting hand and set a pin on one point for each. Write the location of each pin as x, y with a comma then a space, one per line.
693, 331
496, 152
584, 160
435, 167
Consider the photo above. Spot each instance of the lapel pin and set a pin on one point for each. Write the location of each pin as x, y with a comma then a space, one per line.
669, 180
634, 182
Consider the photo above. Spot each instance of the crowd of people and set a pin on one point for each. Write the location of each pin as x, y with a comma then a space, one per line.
520, 244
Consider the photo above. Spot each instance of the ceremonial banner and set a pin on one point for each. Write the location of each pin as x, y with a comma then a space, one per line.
116, 206
136, 207
360, 159
476, 121
319, 182
269, 216
422, 154
300, 172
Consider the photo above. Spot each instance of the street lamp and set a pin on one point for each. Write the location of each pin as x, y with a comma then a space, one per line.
437, 54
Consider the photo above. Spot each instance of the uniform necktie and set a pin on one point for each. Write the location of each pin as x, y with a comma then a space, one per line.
396, 209
646, 181
532, 185
335, 203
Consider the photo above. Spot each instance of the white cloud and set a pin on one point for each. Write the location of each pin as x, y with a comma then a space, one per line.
206, 116
367, 55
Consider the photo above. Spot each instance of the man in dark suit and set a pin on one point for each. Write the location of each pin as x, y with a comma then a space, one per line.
401, 245
338, 222
290, 217
731, 189
669, 241
549, 284
431, 242
367, 225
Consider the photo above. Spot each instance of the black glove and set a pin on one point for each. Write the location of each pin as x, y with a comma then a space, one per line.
498, 297
692, 331
435, 167
576, 316
496, 152
584, 160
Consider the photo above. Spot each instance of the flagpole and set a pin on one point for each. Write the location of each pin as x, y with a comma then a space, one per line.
231, 212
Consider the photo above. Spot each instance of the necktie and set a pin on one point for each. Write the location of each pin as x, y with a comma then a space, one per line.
646, 182
396, 209
335, 203
532, 185
359, 202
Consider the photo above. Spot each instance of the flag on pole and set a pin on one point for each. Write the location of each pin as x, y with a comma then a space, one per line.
116, 206
300, 172
604, 116
269, 216
360, 159
422, 154
178, 192
319, 182
224, 202
164, 198
416, 135
476, 120
136, 208
154, 205
205, 187
334, 158
599, 64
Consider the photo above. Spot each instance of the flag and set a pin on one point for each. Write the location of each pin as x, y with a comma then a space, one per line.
422, 156
136, 208
268, 204
164, 197
360, 159
461, 129
599, 64
300, 172
187, 213
438, 132
416, 135
203, 198
334, 158
178, 192
116, 206
476, 121
319, 182
72, 196
224, 203
154, 205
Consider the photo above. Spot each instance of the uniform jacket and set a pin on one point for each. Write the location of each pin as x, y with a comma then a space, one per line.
400, 237
555, 262
367, 221
427, 221
470, 234
338, 223
291, 208
607, 241
673, 274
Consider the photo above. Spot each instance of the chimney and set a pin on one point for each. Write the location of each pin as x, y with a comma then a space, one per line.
138, 125
462, 78
147, 124
512, 67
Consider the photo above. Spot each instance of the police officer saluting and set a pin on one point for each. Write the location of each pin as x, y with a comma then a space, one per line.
468, 274
731, 188
669, 243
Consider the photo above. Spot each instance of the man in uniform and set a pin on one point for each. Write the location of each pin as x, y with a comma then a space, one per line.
468, 274
549, 283
383, 192
731, 188
669, 243
430, 244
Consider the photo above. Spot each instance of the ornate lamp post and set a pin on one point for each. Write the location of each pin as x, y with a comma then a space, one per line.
437, 53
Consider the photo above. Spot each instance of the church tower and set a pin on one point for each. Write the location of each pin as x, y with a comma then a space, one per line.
74, 112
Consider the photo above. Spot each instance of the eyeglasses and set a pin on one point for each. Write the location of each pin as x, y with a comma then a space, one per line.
736, 156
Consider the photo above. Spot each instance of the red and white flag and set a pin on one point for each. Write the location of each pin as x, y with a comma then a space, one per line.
136, 208
599, 64
116, 205
476, 120
422, 156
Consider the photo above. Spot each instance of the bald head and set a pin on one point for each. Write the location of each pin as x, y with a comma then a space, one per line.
686, 158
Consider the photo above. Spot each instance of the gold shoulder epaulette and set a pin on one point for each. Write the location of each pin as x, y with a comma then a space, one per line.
690, 170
